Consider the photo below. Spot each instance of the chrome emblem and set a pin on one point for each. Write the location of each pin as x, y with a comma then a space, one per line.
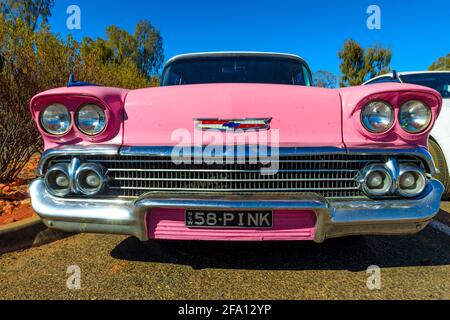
233, 124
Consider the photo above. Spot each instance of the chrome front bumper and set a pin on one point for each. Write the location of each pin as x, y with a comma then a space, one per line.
335, 218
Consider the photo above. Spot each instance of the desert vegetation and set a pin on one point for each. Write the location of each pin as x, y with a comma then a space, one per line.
33, 59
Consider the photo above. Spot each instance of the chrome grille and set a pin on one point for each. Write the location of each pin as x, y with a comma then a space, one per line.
332, 176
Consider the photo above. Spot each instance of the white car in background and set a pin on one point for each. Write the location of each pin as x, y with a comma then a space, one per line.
439, 144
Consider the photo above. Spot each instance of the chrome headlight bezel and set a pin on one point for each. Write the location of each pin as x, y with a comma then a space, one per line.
388, 182
365, 117
102, 119
405, 122
421, 181
80, 177
43, 119
50, 181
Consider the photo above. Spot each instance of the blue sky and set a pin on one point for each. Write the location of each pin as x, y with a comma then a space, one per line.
418, 31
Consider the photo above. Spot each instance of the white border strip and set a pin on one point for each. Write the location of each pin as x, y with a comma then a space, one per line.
440, 227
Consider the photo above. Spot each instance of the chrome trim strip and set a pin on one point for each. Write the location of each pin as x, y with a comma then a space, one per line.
234, 190
73, 167
75, 151
419, 152
231, 180
243, 171
274, 161
239, 151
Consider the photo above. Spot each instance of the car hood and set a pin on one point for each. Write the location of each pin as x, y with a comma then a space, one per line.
165, 116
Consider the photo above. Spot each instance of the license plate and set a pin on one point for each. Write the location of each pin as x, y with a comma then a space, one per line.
229, 219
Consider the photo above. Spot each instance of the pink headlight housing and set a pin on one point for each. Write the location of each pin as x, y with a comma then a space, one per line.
110, 100
355, 99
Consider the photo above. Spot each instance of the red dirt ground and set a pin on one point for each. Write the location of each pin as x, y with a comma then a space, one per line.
15, 202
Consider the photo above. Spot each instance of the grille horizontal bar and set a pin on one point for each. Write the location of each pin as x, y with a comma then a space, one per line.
332, 176
234, 190
229, 180
228, 171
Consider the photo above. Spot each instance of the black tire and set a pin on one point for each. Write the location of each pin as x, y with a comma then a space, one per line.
441, 165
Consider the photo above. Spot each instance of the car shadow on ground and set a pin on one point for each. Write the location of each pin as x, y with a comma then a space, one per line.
444, 215
429, 248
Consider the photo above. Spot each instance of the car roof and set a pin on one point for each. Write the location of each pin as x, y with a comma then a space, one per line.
235, 54
390, 74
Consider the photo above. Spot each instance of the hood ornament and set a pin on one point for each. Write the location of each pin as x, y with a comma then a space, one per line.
246, 124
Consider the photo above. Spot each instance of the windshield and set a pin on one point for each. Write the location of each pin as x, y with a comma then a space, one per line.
237, 69
437, 81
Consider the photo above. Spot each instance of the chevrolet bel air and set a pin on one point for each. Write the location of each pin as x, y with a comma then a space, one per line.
237, 146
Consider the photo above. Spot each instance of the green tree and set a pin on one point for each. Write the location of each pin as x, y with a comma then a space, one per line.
377, 61
29, 11
359, 64
325, 79
352, 63
100, 47
122, 44
443, 63
150, 55
144, 48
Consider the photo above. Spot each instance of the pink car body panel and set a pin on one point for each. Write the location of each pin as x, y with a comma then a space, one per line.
112, 99
303, 116
355, 98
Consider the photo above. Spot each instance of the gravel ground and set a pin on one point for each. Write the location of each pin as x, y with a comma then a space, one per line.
119, 267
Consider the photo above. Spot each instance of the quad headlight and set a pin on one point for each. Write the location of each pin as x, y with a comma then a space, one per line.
90, 179
414, 116
91, 119
412, 181
57, 180
55, 119
376, 180
377, 117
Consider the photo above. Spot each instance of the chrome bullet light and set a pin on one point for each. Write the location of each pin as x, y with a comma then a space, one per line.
57, 180
90, 179
411, 181
414, 116
377, 117
376, 180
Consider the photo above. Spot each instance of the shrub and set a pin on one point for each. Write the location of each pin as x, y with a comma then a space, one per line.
31, 62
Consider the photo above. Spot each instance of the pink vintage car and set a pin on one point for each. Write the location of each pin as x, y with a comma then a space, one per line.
237, 146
